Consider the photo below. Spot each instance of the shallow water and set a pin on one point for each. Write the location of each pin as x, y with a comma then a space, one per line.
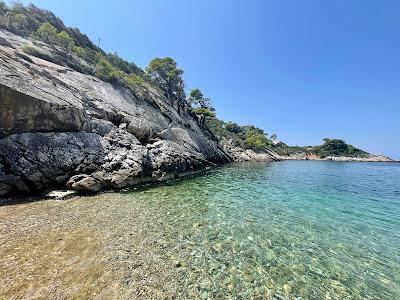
284, 230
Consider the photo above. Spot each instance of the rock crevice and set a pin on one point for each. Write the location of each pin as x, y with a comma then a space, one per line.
62, 128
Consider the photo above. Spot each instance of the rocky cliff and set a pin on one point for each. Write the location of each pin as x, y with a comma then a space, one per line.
59, 127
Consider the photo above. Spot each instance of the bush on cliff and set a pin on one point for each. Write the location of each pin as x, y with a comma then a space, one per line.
65, 41
46, 32
165, 73
41, 54
107, 72
197, 99
203, 111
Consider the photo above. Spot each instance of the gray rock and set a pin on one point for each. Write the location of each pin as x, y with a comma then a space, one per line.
32, 162
84, 183
61, 195
59, 127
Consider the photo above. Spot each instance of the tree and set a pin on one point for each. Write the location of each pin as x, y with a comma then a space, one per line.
197, 98
65, 41
47, 33
16, 22
165, 74
233, 127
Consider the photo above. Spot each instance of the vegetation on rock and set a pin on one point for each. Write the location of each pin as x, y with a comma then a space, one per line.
336, 147
163, 73
166, 75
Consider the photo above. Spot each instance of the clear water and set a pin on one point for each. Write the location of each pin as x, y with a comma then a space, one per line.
285, 230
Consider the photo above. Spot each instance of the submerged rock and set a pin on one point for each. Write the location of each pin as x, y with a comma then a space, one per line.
248, 278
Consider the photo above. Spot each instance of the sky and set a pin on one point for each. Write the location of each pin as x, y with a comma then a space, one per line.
304, 70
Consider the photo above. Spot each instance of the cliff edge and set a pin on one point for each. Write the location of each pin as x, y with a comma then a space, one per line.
60, 127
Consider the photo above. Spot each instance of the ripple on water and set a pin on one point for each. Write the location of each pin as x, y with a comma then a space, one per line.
313, 230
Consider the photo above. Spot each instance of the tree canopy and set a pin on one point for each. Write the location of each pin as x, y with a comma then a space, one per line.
165, 74
337, 147
46, 32
197, 99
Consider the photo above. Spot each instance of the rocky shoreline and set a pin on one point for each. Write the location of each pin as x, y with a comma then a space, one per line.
59, 128
62, 129
369, 158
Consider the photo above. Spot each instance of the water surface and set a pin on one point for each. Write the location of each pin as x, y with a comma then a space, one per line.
284, 230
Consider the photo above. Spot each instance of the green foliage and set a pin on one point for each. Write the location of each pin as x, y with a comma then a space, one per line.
203, 111
248, 137
337, 147
65, 41
166, 75
255, 138
15, 22
331, 147
256, 141
107, 72
133, 80
40, 54
47, 33
123, 65
45, 26
233, 127
26, 20
197, 99
247, 129
273, 137
196, 95
285, 150
79, 51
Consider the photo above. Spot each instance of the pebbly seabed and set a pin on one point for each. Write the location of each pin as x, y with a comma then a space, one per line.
290, 229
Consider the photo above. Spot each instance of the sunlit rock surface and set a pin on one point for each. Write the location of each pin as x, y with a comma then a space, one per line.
56, 123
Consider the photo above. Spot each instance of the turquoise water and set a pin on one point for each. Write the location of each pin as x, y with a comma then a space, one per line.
280, 230
316, 230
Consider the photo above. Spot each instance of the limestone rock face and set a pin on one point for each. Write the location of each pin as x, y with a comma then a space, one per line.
240, 154
60, 127
32, 162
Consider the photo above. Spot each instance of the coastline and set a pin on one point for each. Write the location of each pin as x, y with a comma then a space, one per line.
66, 194
377, 158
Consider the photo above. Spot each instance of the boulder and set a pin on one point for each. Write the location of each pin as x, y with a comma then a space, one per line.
84, 183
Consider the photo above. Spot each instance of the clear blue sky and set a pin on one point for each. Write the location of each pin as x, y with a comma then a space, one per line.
304, 70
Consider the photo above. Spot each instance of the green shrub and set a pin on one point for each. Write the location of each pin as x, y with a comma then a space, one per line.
47, 33
41, 54
133, 80
107, 72
257, 141
203, 111
233, 127
65, 41
79, 51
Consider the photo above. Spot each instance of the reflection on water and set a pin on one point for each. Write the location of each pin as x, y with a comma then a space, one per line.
287, 230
